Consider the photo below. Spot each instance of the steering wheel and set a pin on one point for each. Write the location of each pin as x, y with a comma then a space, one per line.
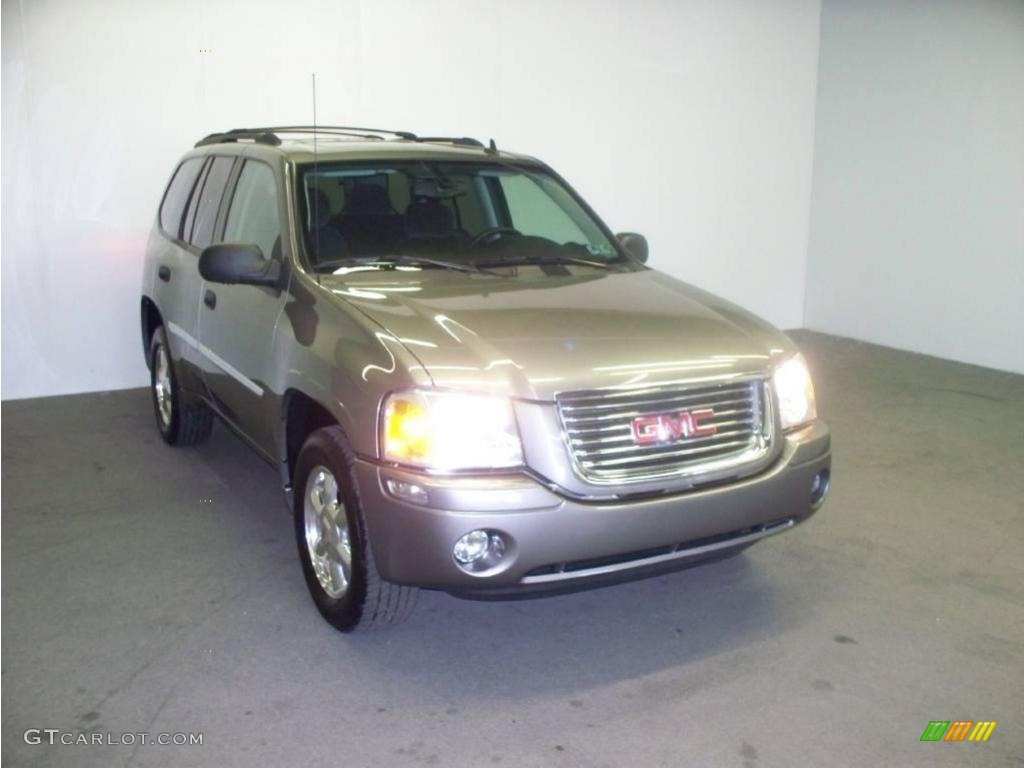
491, 234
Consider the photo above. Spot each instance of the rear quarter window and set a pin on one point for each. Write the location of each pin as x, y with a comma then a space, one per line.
177, 196
207, 202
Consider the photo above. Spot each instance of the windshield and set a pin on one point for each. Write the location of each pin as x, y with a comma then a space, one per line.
466, 213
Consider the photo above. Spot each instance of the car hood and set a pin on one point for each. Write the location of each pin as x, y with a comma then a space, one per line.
540, 331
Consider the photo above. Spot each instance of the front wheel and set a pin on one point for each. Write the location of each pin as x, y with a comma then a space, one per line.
334, 547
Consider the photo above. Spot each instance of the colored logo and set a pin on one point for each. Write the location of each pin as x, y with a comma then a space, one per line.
673, 426
958, 730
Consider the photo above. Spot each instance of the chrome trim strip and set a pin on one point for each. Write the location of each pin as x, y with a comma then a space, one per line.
216, 359
680, 554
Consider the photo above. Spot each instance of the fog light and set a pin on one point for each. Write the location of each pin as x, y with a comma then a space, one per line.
479, 551
819, 488
471, 547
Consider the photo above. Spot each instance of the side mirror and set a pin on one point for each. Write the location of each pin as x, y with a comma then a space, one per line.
635, 245
243, 263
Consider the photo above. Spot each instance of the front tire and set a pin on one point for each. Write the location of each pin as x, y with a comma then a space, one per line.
180, 420
334, 547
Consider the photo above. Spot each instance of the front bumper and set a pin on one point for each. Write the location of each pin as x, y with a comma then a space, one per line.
556, 543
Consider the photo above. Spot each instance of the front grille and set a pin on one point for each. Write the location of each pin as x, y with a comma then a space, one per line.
598, 425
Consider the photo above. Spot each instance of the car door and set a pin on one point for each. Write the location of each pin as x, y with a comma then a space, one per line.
176, 284
237, 322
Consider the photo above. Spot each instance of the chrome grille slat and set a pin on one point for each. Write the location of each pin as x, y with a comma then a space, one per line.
619, 415
583, 448
607, 395
660, 403
671, 455
625, 425
620, 432
599, 433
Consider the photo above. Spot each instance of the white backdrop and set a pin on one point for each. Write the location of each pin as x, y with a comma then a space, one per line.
917, 236
691, 122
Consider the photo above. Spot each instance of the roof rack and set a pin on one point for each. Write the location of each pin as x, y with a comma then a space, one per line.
269, 135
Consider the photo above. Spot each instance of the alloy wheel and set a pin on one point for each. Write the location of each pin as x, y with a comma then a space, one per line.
327, 534
162, 386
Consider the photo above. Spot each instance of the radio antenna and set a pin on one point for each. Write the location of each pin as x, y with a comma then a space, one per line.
316, 187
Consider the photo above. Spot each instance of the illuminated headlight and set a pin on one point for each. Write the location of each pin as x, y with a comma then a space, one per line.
450, 431
794, 392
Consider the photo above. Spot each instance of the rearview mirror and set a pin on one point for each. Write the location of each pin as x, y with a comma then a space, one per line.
635, 245
232, 263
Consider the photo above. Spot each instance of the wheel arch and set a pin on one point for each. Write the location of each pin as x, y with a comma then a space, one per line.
301, 415
151, 320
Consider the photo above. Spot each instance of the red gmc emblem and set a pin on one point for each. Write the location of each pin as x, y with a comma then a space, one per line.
669, 427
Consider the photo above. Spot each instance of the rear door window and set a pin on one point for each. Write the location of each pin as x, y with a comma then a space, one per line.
177, 196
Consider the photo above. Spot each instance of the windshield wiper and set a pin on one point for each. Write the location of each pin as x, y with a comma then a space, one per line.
405, 259
550, 258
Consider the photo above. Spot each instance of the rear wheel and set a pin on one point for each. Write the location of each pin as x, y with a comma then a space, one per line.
181, 421
334, 547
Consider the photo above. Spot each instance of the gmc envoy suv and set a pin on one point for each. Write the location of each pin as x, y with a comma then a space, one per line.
465, 381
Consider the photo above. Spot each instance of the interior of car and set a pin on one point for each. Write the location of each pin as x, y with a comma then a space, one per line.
439, 209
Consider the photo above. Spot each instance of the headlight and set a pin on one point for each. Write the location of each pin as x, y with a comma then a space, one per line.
794, 392
450, 430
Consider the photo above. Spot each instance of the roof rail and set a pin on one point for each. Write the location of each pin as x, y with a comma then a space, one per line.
463, 141
347, 130
259, 135
269, 135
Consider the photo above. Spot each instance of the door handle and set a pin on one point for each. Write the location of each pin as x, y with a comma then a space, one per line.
210, 299
164, 273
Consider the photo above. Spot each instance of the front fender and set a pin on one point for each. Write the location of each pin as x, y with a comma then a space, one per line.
340, 358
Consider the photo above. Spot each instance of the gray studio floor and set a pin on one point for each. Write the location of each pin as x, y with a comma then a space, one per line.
129, 604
